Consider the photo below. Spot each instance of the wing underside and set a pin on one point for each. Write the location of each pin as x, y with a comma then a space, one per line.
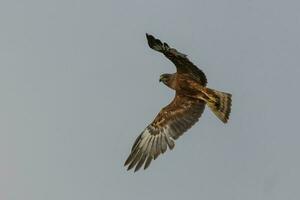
171, 122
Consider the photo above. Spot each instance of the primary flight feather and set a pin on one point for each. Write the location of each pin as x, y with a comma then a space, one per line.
189, 83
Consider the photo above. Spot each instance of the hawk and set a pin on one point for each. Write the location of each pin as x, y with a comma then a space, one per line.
191, 96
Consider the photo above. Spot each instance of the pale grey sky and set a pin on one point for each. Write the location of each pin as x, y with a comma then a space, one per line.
78, 84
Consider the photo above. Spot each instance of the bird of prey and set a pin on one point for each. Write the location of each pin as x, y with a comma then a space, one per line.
191, 96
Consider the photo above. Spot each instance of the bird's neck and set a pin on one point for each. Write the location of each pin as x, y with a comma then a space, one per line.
172, 82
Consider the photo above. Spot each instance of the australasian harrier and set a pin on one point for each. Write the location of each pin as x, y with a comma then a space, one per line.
183, 112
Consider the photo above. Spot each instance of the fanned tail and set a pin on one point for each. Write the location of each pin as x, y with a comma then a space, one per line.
221, 104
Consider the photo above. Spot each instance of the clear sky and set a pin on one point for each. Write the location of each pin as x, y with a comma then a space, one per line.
78, 83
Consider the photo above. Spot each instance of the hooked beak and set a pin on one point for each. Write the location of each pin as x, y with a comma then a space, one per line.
161, 78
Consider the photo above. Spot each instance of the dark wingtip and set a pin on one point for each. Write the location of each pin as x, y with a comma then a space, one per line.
150, 39
126, 162
148, 35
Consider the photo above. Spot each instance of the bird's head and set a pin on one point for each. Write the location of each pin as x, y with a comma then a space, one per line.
165, 78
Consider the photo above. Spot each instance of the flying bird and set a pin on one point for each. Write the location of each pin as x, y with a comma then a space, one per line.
191, 96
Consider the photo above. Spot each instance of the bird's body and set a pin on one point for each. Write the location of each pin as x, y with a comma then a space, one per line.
172, 121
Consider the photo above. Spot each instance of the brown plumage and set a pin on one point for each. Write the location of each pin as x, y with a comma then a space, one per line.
182, 113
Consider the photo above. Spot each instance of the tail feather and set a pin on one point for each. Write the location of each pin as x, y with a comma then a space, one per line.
221, 104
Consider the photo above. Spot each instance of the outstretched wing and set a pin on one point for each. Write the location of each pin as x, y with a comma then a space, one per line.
182, 63
170, 123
